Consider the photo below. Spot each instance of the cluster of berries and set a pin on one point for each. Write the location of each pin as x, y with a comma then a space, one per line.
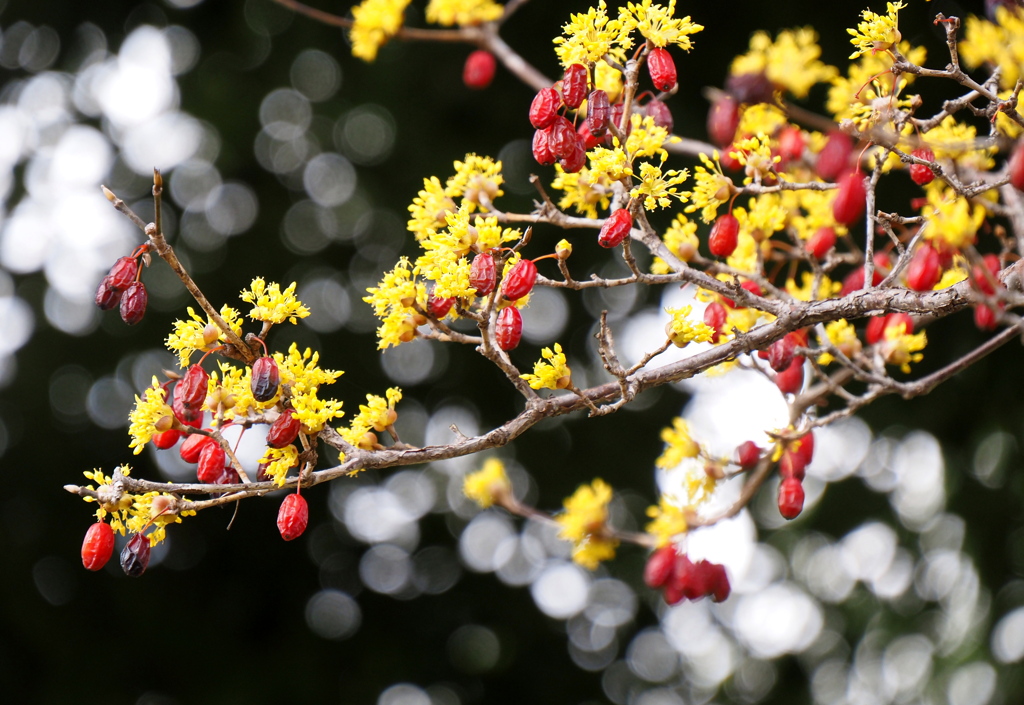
795, 459
122, 286
518, 282
680, 578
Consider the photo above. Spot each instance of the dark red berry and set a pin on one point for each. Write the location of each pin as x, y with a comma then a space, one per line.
659, 566
750, 87
284, 430
482, 276
791, 498
544, 108
266, 378
562, 137
541, 148
135, 556
791, 379
292, 517
519, 280
598, 112
193, 387
747, 454
919, 173
923, 271
834, 157
615, 229
107, 297
508, 328
715, 316
133, 303
586, 136
615, 118
478, 71
574, 85
98, 546
662, 69
724, 235
123, 273
849, 204
821, 242
1015, 167
166, 439
576, 159
780, 353
211, 463
193, 446
438, 306
661, 114
723, 119
792, 464
720, 588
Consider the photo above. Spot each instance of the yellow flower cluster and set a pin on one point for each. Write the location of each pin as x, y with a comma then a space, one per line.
901, 348
278, 461
953, 221
134, 513
1000, 43
376, 415
271, 305
682, 331
584, 191
487, 485
583, 523
713, 188
202, 335
678, 444
843, 336
464, 13
790, 62
668, 520
148, 411
374, 23
553, 374
876, 32
681, 240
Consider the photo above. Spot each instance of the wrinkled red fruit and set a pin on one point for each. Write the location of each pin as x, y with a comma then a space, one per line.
438, 306
923, 271
586, 136
576, 159
292, 517
747, 454
541, 149
562, 137
482, 276
615, 229
519, 280
123, 273
166, 439
662, 69
791, 379
1015, 167
919, 173
821, 242
284, 430
659, 566
191, 390
661, 114
792, 464
780, 353
574, 85
724, 235
266, 378
715, 316
193, 446
107, 297
544, 108
834, 157
135, 556
98, 546
723, 119
508, 328
696, 580
598, 112
849, 204
478, 71
133, 303
791, 498
211, 463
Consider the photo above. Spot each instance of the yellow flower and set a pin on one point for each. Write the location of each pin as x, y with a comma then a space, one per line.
463, 12
765, 215
487, 485
681, 240
553, 374
762, 118
430, 208
877, 32
744, 257
791, 61
588, 37
148, 509
585, 191
657, 189
374, 23
271, 305
682, 331
678, 444
826, 289
901, 348
583, 523
1000, 43
314, 413
868, 79
278, 462
117, 511
952, 221
657, 25
668, 521
378, 413
843, 336
755, 154
609, 164
190, 336
646, 139
150, 409
477, 180
713, 188
392, 301
955, 140
302, 372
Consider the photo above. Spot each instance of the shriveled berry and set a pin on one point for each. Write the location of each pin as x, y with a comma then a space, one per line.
266, 378
747, 454
541, 149
193, 387
292, 517
576, 159
123, 273
923, 271
135, 556
508, 328
780, 353
98, 546
1015, 167
659, 566
193, 446
519, 280
211, 463
834, 157
715, 316
166, 439
662, 69
791, 498
598, 112
723, 119
482, 276
586, 136
574, 85
919, 173
724, 235
478, 71
849, 204
439, 306
284, 430
107, 297
791, 379
544, 108
615, 229
660, 113
133, 303
821, 242
562, 137
750, 87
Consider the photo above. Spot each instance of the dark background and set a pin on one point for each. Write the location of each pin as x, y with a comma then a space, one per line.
229, 628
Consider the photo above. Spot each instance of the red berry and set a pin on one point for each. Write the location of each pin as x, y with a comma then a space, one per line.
541, 148
292, 517
482, 276
792, 464
748, 454
875, 330
189, 417
576, 159
791, 498
985, 317
135, 556
715, 316
193, 387
854, 281
133, 303
821, 242
660, 112
791, 379
919, 173
791, 143
615, 117
574, 85
544, 108
659, 566
723, 119
266, 378
750, 87
562, 137
615, 229
586, 136
780, 353
720, 587
98, 546
834, 157
804, 446
1015, 167
662, 69
211, 463
982, 281
519, 280
439, 307
123, 273
923, 270
107, 297
166, 439
598, 112
724, 235
284, 430
193, 446
478, 71
895, 320
508, 328
849, 204
729, 159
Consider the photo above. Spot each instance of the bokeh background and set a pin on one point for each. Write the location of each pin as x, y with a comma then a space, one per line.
287, 158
